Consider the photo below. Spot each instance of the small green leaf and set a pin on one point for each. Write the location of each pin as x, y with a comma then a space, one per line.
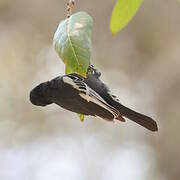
81, 117
123, 12
72, 42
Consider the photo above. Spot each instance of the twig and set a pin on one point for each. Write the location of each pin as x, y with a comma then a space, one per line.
70, 6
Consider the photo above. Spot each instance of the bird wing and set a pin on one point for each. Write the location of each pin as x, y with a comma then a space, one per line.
88, 93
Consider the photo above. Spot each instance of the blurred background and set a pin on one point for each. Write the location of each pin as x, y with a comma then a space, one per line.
141, 65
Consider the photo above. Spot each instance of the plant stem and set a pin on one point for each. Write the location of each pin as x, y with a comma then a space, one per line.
70, 6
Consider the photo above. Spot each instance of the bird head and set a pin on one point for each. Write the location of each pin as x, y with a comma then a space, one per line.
39, 95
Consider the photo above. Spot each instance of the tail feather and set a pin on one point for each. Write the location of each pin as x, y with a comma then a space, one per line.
140, 119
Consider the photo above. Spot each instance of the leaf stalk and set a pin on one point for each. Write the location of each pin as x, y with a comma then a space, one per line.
70, 6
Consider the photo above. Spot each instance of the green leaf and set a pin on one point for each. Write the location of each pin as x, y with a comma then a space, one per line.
123, 12
72, 42
81, 117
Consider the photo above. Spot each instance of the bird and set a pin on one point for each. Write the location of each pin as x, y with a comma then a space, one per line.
88, 96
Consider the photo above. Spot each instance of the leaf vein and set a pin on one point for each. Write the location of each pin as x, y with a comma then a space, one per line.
73, 50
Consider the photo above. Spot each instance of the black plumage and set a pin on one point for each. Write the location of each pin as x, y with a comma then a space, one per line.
88, 96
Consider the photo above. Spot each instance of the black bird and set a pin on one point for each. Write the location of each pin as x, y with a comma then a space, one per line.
88, 96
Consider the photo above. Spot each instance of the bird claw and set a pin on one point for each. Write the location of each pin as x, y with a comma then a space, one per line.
92, 70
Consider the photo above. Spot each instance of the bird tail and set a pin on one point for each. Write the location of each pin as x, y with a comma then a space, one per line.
140, 119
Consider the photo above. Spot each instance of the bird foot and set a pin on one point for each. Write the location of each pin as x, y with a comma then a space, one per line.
92, 70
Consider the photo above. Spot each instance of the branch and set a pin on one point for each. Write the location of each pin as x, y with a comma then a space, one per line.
70, 6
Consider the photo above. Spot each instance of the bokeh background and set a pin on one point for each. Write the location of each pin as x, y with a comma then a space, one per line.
141, 65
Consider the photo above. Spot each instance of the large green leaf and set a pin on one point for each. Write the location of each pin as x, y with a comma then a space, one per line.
72, 42
123, 12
